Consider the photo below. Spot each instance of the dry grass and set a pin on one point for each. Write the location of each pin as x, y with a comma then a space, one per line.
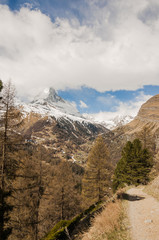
153, 188
108, 225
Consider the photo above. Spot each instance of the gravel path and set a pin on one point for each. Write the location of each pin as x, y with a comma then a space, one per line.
143, 214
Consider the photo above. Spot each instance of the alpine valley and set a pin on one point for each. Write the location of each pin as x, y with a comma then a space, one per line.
57, 124
62, 167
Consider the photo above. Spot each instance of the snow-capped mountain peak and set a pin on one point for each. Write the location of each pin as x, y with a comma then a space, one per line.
49, 103
48, 95
53, 96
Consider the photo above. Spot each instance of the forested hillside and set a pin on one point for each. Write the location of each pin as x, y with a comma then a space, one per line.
55, 175
38, 187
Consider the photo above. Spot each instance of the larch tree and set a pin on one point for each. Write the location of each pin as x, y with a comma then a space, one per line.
29, 186
7, 104
96, 180
147, 138
134, 166
61, 198
10, 119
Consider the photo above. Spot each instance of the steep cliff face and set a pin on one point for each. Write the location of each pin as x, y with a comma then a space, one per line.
150, 110
148, 116
49, 103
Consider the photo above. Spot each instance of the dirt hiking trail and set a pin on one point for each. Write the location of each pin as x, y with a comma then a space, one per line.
143, 215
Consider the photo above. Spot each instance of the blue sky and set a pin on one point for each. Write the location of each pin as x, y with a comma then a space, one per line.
53, 8
105, 101
102, 55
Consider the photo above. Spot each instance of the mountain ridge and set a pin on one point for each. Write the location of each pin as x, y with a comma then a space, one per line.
144, 126
49, 103
148, 116
52, 124
55, 123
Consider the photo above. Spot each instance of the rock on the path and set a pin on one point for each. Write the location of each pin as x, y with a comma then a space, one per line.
148, 221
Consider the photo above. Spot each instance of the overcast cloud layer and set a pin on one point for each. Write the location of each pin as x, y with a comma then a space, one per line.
114, 46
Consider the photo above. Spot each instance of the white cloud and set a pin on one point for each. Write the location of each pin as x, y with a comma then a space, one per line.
113, 49
150, 13
129, 108
108, 100
83, 104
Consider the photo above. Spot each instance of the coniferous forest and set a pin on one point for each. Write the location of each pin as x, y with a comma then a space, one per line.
39, 190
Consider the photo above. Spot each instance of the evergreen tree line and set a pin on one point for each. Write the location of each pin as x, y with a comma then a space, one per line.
134, 166
37, 190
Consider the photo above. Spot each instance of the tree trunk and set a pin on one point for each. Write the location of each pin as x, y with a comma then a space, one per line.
98, 184
62, 203
3, 167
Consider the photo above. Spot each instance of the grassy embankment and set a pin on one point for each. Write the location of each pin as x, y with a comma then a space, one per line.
111, 224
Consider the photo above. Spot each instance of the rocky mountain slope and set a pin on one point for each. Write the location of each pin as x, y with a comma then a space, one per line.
58, 125
145, 126
55, 123
148, 115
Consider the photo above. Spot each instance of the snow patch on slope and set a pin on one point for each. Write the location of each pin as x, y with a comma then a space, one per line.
48, 103
111, 123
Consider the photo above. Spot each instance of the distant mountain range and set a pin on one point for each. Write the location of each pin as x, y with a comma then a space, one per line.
57, 124
112, 123
48, 103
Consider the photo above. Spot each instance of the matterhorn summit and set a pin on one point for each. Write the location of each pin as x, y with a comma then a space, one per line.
49, 103
49, 95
